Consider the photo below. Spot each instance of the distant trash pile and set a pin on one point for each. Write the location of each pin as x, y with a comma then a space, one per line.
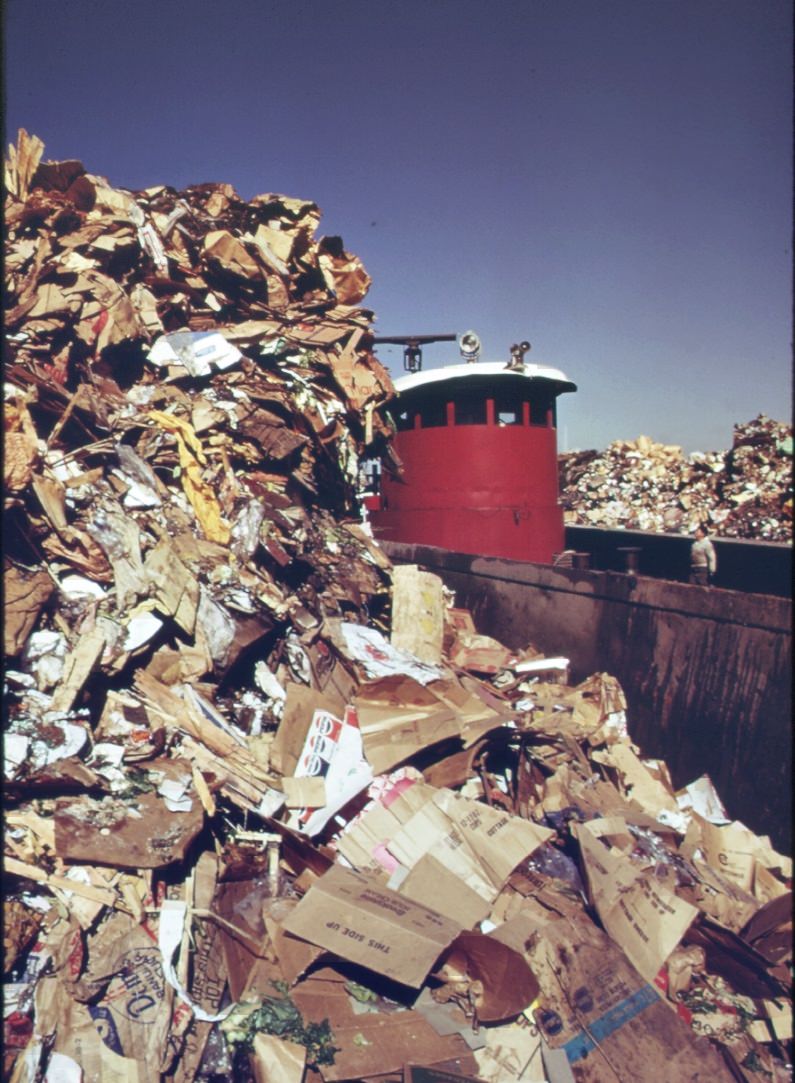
274, 810
745, 492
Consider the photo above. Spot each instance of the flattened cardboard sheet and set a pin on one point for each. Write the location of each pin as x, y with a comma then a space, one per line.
639, 912
607, 1019
144, 835
378, 1043
399, 717
417, 612
357, 918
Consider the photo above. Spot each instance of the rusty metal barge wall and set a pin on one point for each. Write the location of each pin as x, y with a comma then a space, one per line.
707, 673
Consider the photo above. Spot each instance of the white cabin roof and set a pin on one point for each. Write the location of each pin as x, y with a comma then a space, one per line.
491, 369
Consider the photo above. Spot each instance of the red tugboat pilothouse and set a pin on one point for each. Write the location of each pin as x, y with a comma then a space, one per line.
478, 444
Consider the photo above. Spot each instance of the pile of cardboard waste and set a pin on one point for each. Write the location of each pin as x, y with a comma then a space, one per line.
274, 810
745, 492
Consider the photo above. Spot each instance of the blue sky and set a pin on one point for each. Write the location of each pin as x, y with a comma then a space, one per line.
610, 179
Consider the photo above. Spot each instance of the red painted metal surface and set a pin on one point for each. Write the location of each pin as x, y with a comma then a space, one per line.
486, 489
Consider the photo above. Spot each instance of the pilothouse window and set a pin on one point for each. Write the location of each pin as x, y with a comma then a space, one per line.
439, 408
507, 411
470, 410
404, 419
433, 414
539, 411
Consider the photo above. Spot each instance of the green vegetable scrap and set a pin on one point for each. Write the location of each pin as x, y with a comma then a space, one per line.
279, 1016
360, 992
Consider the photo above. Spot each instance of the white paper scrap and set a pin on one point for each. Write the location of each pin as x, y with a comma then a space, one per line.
702, 797
140, 629
381, 659
62, 1069
173, 915
539, 665
174, 793
197, 351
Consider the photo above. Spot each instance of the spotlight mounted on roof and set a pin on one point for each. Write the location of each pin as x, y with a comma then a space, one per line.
469, 346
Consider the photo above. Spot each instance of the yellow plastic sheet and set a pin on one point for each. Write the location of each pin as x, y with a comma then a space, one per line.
198, 492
